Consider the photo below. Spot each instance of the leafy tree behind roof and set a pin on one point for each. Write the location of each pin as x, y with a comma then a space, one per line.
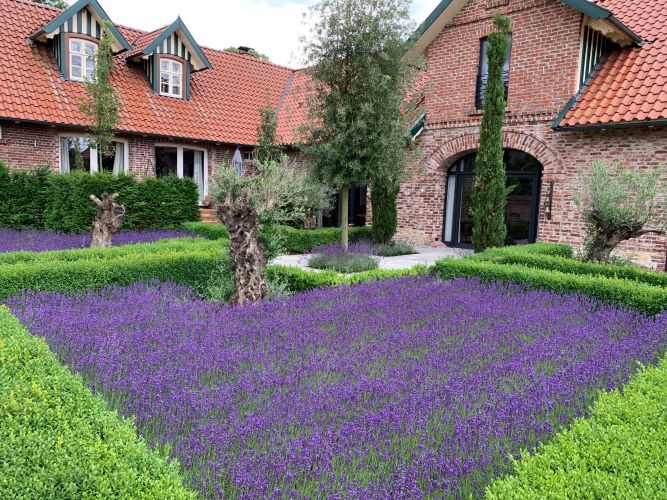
251, 52
61, 4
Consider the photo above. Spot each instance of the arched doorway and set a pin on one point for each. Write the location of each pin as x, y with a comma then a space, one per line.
521, 214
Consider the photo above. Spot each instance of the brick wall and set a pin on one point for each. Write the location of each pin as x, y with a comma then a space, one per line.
543, 76
28, 146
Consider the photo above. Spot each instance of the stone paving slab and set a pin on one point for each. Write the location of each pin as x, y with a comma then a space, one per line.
426, 255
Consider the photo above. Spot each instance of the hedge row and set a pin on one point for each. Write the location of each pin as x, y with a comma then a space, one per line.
647, 298
161, 246
300, 280
574, 266
304, 240
552, 249
619, 451
43, 200
191, 267
293, 240
57, 440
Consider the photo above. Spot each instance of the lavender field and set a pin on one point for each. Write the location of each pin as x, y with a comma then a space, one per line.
408, 388
28, 240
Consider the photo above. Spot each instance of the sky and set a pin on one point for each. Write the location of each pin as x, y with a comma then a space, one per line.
272, 27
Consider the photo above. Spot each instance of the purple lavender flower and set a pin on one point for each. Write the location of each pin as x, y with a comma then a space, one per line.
28, 240
407, 388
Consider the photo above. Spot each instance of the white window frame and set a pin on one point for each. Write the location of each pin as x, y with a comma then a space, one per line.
179, 160
94, 157
84, 57
171, 73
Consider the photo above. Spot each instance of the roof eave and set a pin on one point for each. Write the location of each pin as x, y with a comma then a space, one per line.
613, 125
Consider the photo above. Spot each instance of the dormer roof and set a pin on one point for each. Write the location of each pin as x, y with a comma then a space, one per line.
74, 15
157, 40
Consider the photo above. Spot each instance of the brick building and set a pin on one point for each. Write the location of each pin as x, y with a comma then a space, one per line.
585, 80
186, 109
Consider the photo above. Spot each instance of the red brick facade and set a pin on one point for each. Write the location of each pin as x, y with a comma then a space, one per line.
543, 77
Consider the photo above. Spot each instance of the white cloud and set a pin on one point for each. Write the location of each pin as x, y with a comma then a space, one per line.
272, 27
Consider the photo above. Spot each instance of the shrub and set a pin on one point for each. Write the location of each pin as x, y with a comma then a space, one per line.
208, 231
573, 266
57, 440
343, 262
150, 203
192, 267
24, 197
300, 280
617, 452
556, 249
162, 246
43, 200
385, 214
304, 240
393, 249
640, 296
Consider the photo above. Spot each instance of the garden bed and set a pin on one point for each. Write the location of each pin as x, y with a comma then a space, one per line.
406, 388
28, 240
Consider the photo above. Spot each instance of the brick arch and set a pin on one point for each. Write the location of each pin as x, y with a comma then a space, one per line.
460, 146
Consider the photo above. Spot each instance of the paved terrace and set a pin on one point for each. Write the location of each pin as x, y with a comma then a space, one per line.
426, 255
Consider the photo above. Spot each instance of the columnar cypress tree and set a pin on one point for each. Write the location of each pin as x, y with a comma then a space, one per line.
489, 195
385, 214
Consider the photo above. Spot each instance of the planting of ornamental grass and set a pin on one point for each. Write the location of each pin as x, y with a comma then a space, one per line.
30, 240
404, 388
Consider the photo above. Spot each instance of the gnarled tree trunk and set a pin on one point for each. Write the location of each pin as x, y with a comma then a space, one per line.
108, 220
247, 252
606, 238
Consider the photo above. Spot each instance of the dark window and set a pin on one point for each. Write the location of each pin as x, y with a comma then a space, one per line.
483, 71
166, 160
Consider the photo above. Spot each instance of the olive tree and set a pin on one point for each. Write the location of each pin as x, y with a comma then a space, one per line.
275, 193
620, 204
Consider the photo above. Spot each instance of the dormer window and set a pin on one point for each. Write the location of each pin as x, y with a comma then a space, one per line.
171, 78
81, 59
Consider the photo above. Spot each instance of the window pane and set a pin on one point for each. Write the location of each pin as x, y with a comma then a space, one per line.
164, 65
75, 45
176, 90
77, 60
107, 158
79, 154
165, 161
188, 163
76, 72
90, 48
175, 67
164, 83
175, 79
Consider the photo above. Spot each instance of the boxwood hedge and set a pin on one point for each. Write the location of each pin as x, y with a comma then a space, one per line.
573, 266
57, 440
619, 451
191, 267
647, 298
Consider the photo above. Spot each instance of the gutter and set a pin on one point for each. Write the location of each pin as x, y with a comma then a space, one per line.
614, 125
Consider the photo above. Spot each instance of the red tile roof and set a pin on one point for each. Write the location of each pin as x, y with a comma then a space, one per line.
630, 85
224, 104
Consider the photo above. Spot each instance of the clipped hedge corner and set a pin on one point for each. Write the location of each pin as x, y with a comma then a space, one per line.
619, 451
57, 440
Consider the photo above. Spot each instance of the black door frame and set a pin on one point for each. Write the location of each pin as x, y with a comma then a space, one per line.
456, 220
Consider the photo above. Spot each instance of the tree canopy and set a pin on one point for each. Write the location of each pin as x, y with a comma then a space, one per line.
355, 57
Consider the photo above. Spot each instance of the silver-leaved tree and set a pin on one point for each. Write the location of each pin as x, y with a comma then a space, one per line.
620, 204
250, 206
